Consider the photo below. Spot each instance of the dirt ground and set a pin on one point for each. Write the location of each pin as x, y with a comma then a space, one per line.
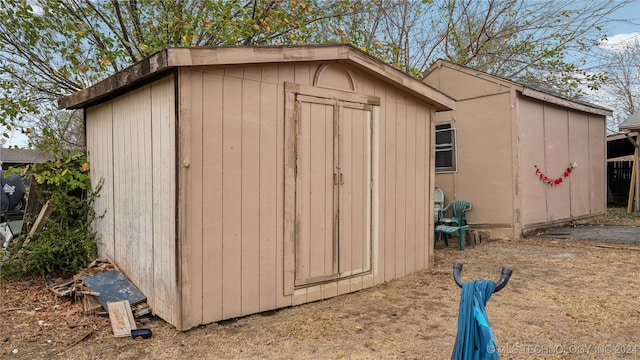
567, 299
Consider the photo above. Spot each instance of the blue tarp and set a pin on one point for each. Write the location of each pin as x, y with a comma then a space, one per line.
475, 340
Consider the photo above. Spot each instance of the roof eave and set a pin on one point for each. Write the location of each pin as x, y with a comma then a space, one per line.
137, 72
178, 57
539, 95
437, 99
522, 88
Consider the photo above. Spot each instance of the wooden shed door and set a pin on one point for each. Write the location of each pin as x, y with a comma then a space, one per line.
333, 197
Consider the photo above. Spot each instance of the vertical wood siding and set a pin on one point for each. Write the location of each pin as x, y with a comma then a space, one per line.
499, 144
388, 212
556, 135
235, 232
163, 150
100, 156
404, 185
532, 152
552, 137
579, 152
597, 164
235, 150
132, 139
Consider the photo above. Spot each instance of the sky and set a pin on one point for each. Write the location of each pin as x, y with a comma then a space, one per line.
617, 34
621, 32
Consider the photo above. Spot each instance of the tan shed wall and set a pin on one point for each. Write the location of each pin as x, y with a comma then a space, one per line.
553, 137
531, 134
132, 139
597, 165
233, 196
460, 85
581, 153
100, 146
484, 147
501, 135
236, 239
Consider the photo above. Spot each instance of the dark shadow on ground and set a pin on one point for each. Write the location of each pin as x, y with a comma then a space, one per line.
617, 234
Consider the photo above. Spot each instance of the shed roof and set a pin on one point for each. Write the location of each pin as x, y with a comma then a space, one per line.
631, 123
545, 95
205, 56
23, 156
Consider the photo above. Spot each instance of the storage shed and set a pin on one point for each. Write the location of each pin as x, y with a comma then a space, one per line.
240, 180
22, 157
525, 158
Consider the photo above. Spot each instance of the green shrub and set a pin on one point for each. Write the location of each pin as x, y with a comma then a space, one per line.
67, 241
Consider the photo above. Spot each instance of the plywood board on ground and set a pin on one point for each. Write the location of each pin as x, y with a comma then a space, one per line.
121, 317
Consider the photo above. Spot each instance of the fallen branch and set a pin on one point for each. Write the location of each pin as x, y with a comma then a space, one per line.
635, 248
14, 309
79, 338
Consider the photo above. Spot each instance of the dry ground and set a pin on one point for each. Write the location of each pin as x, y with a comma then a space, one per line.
567, 299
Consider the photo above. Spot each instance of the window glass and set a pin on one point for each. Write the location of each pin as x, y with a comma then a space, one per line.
445, 148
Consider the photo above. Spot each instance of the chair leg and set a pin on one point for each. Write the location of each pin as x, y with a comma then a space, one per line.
461, 233
437, 235
473, 240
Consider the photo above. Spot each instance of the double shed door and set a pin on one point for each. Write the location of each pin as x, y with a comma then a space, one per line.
333, 189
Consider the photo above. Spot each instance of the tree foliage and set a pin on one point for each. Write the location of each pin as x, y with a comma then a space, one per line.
622, 89
541, 43
67, 241
51, 48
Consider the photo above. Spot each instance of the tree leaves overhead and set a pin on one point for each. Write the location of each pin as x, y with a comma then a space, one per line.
621, 92
52, 48
542, 43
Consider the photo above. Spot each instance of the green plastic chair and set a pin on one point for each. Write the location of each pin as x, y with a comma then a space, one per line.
445, 231
438, 204
446, 226
459, 209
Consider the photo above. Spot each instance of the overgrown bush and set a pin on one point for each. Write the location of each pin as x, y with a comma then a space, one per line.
67, 241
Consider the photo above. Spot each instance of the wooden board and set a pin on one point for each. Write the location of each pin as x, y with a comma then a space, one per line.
121, 317
113, 286
38, 225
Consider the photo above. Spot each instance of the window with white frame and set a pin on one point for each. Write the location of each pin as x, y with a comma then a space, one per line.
445, 148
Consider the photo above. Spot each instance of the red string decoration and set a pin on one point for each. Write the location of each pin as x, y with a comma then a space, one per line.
554, 181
